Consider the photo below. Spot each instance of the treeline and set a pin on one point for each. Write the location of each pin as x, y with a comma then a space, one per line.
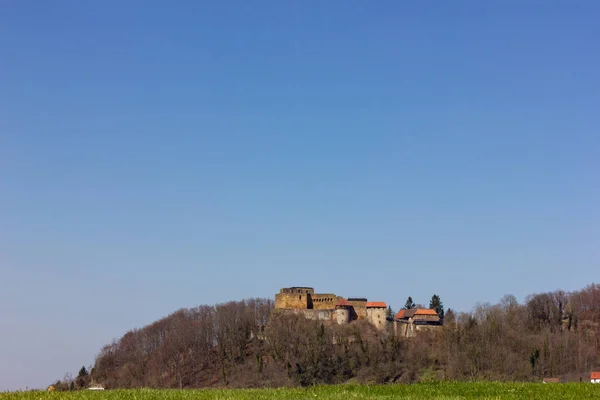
249, 344
82, 381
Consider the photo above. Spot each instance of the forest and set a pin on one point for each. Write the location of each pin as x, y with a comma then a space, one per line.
250, 344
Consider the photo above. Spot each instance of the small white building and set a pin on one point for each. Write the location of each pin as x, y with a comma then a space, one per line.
595, 377
96, 388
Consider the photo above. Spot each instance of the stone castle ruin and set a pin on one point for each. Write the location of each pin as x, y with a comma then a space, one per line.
330, 307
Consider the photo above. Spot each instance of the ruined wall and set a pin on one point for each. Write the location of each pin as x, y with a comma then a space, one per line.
377, 317
285, 300
342, 315
294, 297
305, 298
317, 315
320, 315
324, 301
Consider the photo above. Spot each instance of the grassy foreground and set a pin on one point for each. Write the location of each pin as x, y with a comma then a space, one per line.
447, 391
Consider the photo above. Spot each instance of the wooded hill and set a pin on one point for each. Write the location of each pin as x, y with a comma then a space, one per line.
248, 344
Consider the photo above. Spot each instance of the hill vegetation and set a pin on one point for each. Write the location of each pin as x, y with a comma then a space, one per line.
249, 344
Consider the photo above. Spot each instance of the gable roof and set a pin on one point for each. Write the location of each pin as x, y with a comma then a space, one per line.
405, 313
376, 304
408, 313
595, 375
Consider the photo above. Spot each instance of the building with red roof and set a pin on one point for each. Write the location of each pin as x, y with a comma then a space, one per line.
409, 321
376, 304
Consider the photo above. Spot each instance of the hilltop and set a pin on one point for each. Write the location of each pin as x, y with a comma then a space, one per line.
250, 343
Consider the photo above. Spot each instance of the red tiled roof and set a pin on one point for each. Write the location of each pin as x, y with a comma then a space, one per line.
404, 313
376, 304
343, 303
425, 311
595, 375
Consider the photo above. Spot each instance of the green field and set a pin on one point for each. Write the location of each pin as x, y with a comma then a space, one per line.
478, 390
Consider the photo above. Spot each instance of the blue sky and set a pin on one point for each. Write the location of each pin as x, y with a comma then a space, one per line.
159, 155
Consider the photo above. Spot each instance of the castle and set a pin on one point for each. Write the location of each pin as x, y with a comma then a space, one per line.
330, 307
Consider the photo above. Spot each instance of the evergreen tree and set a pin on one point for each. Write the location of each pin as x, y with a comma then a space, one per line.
389, 313
410, 304
82, 379
437, 305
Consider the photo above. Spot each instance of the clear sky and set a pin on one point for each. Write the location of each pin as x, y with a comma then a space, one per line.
159, 155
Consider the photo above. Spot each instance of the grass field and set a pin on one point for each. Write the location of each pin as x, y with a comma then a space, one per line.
448, 391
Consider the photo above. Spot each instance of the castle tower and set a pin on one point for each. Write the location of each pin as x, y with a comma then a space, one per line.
376, 313
342, 311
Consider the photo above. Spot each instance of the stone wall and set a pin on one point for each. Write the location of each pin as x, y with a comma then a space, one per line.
360, 308
285, 300
410, 330
297, 290
294, 297
342, 315
377, 317
318, 315
324, 301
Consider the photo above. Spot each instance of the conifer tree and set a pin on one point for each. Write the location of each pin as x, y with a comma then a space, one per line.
389, 312
437, 305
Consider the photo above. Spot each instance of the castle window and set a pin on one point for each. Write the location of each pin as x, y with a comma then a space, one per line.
300, 297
